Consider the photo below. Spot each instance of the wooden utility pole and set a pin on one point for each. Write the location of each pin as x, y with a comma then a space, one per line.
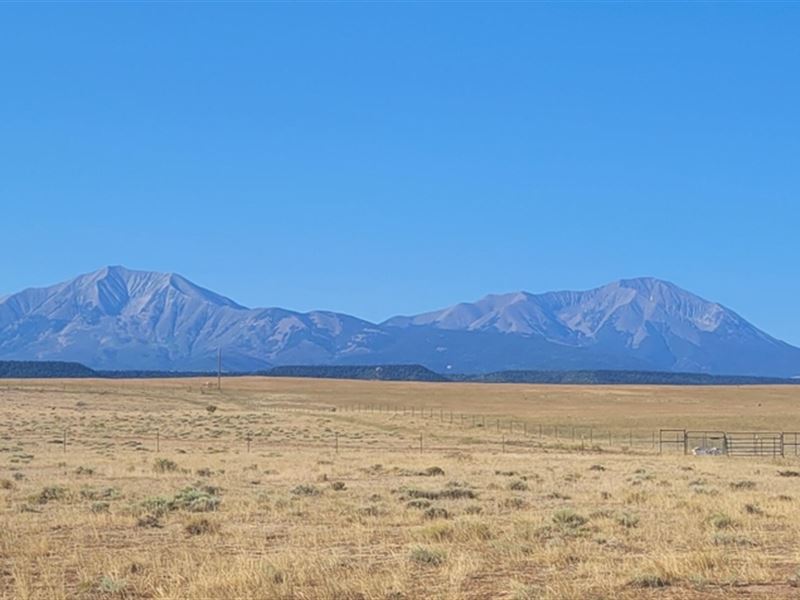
219, 369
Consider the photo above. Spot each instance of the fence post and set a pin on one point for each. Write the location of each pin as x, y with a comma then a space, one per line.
420, 443
504, 444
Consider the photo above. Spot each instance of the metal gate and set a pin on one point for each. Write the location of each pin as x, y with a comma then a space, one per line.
706, 442
755, 443
731, 443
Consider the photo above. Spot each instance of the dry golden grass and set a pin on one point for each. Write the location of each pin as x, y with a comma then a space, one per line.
202, 517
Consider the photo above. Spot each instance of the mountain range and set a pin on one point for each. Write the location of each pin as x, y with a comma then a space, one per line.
117, 318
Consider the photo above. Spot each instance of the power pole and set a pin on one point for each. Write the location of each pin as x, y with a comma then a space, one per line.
219, 369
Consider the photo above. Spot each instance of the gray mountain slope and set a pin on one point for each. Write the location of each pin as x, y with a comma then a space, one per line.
647, 321
117, 318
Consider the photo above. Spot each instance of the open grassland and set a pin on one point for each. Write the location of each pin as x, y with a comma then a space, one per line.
156, 496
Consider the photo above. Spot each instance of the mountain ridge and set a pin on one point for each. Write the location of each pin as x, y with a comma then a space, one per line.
118, 318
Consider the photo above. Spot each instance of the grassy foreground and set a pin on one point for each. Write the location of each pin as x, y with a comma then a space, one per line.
156, 496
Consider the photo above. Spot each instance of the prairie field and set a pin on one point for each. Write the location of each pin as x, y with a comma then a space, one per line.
301, 488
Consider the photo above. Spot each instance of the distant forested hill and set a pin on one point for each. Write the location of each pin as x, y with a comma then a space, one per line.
52, 369
621, 378
380, 372
16, 369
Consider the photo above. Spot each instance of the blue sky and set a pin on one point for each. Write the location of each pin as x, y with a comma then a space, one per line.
392, 158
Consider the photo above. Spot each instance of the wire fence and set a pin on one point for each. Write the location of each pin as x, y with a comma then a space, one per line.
486, 434
480, 433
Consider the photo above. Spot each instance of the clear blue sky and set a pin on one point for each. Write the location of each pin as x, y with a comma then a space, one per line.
382, 159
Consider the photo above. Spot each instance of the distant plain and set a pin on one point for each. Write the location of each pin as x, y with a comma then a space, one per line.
301, 488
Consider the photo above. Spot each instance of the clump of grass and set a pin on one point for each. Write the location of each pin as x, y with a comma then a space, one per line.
789, 473
636, 498
99, 507
432, 472
111, 586
568, 518
436, 512
597, 468
190, 499
200, 526
457, 484
627, 520
743, 485
157, 505
51, 493
515, 503
6, 484
369, 511
473, 509
518, 486
727, 539
752, 509
193, 499
306, 490
150, 520
650, 580
204, 472
211, 409
338, 486
426, 556
446, 494
720, 520
438, 532
274, 574
418, 504
165, 465
99, 494
556, 496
